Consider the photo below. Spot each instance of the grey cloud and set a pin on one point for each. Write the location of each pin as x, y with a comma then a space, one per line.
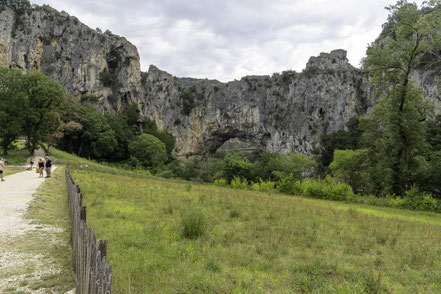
229, 38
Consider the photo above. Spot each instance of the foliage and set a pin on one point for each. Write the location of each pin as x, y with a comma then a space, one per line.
39, 115
188, 103
342, 140
12, 101
348, 166
221, 182
149, 150
235, 164
394, 132
327, 189
151, 128
107, 78
19, 6
239, 183
27, 107
418, 200
262, 186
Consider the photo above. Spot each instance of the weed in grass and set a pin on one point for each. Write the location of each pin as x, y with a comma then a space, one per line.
170, 208
213, 266
373, 284
193, 224
234, 213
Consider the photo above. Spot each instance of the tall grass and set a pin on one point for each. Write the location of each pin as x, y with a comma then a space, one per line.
255, 242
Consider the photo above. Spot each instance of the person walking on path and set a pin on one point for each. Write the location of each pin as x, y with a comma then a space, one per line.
48, 165
41, 167
2, 166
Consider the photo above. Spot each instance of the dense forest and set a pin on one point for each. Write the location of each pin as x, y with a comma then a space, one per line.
393, 154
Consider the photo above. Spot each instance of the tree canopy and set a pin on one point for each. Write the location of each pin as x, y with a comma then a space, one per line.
394, 130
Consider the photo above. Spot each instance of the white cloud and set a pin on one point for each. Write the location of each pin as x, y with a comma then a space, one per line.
232, 38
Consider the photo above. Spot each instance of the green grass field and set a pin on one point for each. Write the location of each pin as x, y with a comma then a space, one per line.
255, 242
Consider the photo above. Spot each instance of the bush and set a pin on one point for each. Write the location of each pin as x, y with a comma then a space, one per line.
262, 186
418, 200
239, 183
221, 182
235, 164
327, 189
396, 202
107, 78
193, 224
286, 184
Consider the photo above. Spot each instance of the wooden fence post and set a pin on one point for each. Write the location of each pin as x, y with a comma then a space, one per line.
89, 258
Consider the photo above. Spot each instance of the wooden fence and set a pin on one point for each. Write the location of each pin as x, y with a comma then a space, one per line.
91, 274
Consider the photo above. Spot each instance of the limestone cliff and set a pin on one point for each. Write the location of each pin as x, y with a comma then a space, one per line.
280, 113
95, 65
283, 113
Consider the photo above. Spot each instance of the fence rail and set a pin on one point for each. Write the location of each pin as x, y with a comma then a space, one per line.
91, 274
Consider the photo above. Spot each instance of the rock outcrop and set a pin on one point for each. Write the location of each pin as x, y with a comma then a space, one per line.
286, 112
97, 66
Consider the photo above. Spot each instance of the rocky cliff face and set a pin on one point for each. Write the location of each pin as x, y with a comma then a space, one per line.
283, 113
71, 53
286, 112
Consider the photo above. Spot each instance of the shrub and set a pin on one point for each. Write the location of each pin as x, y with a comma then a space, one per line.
262, 186
327, 189
235, 164
418, 200
396, 202
286, 184
239, 183
193, 224
188, 103
107, 78
221, 182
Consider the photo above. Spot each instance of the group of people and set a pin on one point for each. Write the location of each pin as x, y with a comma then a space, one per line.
43, 164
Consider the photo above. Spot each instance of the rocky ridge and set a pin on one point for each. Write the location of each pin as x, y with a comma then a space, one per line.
284, 112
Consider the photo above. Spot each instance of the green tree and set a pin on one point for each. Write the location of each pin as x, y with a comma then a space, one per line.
394, 130
149, 150
293, 165
348, 165
97, 139
341, 139
235, 164
12, 100
39, 117
150, 127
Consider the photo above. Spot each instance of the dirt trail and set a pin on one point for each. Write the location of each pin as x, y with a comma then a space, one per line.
15, 194
17, 267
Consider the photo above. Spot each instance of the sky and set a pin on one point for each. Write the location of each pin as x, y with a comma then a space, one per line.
229, 39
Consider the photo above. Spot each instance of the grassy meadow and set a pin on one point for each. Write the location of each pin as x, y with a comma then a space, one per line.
178, 237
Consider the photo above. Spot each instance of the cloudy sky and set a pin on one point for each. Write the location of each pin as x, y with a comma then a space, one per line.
228, 39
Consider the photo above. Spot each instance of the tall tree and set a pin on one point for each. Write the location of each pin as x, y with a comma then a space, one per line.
43, 96
395, 130
12, 99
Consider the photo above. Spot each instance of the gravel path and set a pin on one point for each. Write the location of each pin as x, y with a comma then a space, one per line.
16, 193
